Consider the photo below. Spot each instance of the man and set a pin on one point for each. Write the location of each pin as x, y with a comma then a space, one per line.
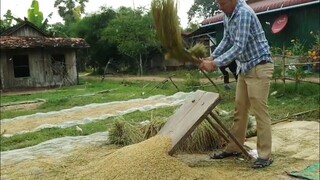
244, 40
233, 68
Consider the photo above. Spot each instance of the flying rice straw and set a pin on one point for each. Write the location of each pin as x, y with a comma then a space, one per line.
168, 31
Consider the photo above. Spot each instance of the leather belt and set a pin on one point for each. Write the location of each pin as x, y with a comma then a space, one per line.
263, 62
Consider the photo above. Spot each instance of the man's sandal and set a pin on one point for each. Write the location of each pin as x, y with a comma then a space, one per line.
224, 155
261, 163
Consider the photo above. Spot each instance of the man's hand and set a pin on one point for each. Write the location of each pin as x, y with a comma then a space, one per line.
208, 65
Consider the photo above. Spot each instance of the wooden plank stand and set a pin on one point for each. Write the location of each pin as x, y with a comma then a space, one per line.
197, 108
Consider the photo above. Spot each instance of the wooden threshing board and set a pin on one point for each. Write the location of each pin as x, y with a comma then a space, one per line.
193, 111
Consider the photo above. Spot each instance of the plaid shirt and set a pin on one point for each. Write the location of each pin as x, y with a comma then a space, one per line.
244, 40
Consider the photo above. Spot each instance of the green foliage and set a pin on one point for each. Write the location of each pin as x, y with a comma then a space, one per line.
276, 50
91, 29
298, 61
290, 101
192, 27
34, 14
296, 72
297, 48
45, 24
314, 52
202, 9
59, 30
7, 21
132, 33
70, 10
277, 74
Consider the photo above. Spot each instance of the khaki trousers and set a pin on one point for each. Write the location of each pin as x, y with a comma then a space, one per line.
252, 94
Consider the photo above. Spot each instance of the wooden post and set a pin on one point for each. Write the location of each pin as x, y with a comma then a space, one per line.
284, 67
174, 84
105, 69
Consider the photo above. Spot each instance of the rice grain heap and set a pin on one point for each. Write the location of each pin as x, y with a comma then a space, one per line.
146, 160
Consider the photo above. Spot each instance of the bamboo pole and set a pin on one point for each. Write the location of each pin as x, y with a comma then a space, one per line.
304, 81
287, 118
297, 64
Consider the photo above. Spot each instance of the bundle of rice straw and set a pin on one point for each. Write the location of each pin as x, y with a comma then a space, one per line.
204, 138
199, 50
124, 133
168, 31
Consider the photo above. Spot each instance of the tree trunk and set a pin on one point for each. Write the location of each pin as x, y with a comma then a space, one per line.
140, 65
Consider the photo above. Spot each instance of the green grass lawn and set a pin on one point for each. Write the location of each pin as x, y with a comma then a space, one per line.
286, 102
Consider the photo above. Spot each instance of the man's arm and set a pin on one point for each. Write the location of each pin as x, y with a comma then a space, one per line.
224, 44
241, 39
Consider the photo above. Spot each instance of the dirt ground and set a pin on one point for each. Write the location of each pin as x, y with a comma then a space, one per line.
295, 147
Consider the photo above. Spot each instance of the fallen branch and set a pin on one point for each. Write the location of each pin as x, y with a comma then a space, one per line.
93, 94
287, 118
304, 112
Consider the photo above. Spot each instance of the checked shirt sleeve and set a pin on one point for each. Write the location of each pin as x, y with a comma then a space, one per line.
242, 31
224, 45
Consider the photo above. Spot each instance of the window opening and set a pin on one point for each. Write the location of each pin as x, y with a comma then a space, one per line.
58, 64
21, 66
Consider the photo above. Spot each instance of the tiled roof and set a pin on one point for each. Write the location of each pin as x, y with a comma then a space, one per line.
21, 42
264, 7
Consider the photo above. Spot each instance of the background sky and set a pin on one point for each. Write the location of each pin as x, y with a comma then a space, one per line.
19, 8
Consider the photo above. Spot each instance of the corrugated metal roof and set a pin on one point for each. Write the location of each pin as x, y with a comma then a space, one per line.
265, 7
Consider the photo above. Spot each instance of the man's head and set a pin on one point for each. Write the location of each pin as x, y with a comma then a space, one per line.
227, 6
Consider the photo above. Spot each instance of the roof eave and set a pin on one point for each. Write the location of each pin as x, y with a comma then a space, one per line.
270, 11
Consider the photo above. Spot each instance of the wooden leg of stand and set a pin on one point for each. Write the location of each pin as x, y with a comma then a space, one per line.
215, 117
218, 130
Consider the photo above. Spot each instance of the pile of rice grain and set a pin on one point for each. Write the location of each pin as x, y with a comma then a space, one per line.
146, 160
